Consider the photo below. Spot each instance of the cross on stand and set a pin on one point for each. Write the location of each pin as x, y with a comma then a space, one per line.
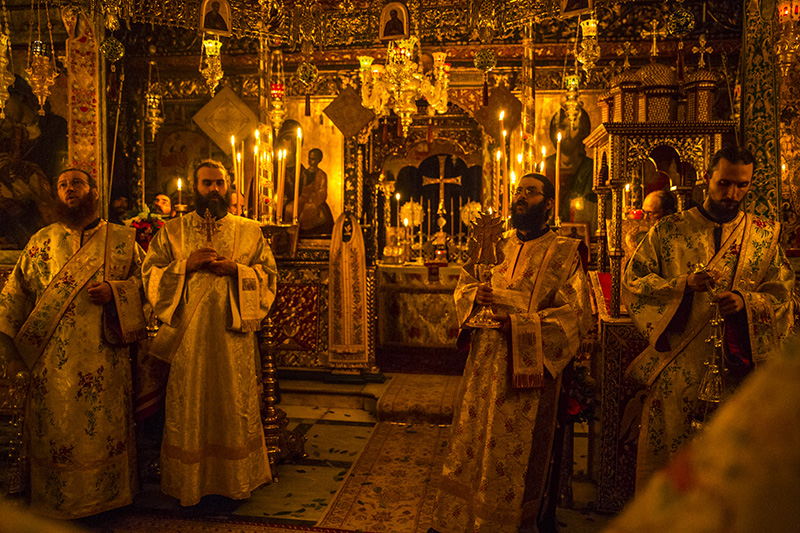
209, 225
654, 33
626, 49
441, 180
702, 50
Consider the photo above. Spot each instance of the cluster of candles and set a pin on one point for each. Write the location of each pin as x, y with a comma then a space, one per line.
269, 205
506, 176
454, 207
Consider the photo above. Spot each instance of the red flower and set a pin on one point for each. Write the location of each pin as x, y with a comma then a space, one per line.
573, 407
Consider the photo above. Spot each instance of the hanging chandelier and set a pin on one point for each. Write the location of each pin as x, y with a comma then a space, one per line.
398, 85
572, 105
277, 90
212, 71
590, 51
787, 42
41, 71
154, 101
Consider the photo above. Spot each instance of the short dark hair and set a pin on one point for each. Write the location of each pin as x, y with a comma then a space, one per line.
669, 203
316, 150
210, 163
732, 154
548, 190
89, 178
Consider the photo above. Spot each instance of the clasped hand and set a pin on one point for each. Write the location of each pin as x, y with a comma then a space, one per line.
704, 281
485, 296
207, 259
99, 292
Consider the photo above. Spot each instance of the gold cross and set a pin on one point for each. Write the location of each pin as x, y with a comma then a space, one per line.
209, 225
626, 49
441, 180
654, 33
702, 50
487, 231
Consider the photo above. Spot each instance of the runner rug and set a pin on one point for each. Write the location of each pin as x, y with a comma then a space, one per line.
392, 486
151, 524
419, 398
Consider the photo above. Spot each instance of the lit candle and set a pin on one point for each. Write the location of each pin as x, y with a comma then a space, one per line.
180, 187
558, 179
240, 196
281, 185
504, 185
544, 155
626, 197
513, 177
496, 187
255, 181
519, 163
297, 153
397, 201
428, 213
405, 228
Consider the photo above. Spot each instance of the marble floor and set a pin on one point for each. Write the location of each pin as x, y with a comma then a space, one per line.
337, 421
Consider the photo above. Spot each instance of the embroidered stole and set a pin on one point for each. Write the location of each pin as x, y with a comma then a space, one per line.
35, 333
168, 339
120, 246
647, 366
347, 306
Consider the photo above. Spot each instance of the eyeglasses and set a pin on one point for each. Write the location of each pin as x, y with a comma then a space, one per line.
75, 182
528, 191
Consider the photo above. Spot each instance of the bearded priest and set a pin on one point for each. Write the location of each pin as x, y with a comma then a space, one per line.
712, 255
211, 277
72, 305
502, 434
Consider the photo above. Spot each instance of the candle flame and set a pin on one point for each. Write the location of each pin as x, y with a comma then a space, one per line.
502, 114
397, 197
519, 158
179, 184
255, 149
299, 133
513, 177
257, 135
490, 210
497, 155
505, 133
544, 152
239, 156
673, 188
233, 140
627, 186
559, 136
405, 222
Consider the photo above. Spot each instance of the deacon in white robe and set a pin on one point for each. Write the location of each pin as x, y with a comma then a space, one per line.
211, 280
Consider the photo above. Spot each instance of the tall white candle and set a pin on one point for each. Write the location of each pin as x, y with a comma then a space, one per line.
297, 154
558, 180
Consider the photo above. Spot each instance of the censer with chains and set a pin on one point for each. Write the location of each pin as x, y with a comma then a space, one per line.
711, 390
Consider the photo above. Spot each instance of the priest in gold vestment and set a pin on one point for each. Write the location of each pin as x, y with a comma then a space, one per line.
72, 305
710, 254
494, 475
211, 280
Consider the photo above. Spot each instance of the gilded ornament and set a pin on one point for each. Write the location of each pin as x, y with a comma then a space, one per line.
6, 76
112, 49
680, 23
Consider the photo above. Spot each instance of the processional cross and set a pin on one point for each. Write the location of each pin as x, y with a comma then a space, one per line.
654, 33
441, 180
209, 225
626, 49
702, 50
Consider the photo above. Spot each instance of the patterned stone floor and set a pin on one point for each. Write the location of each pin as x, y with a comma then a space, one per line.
336, 435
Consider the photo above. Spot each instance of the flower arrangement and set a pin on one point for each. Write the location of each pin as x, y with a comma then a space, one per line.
582, 396
412, 211
470, 212
146, 224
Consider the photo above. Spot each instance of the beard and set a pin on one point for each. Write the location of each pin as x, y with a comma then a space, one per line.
532, 219
77, 214
216, 204
723, 211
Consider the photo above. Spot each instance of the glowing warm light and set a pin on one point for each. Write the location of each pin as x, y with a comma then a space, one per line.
257, 137
627, 186
513, 177
397, 197
405, 222
299, 133
504, 134
544, 152
497, 155
180, 185
674, 188
502, 114
559, 137
490, 210
519, 158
